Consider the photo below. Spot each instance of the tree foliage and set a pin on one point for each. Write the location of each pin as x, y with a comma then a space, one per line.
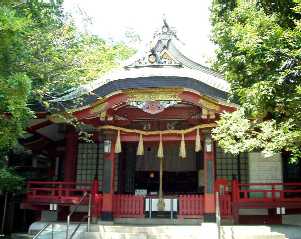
10, 181
259, 54
41, 56
15, 85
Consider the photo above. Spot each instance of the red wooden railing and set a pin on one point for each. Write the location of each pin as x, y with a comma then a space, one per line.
191, 206
225, 203
128, 205
56, 192
266, 192
97, 205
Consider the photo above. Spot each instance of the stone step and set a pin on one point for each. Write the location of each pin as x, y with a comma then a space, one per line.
256, 236
206, 230
156, 221
90, 235
249, 232
117, 235
151, 229
246, 229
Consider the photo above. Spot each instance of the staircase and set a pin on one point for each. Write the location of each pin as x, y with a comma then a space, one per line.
249, 232
150, 232
187, 232
206, 231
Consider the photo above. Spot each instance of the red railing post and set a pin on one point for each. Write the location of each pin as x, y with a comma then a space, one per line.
273, 192
235, 190
191, 206
95, 202
128, 205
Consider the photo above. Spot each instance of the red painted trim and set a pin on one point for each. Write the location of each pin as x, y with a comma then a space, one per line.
85, 113
107, 203
225, 204
128, 206
35, 127
114, 102
190, 97
209, 202
97, 206
209, 198
70, 155
191, 206
111, 102
267, 192
45, 192
112, 158
94, 194
270, 195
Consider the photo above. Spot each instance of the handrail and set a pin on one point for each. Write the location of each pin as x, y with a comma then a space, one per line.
74, 209
77, 227
218, 215
39, 233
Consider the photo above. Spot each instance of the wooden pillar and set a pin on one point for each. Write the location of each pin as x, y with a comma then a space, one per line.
108, 184
209, 175
70, 155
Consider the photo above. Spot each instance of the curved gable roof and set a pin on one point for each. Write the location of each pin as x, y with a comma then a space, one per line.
161, 66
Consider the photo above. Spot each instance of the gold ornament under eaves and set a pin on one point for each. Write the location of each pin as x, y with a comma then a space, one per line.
100, 107
209, 104
154, 94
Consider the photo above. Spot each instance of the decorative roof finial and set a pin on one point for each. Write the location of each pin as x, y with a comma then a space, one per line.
158, 53
165, 23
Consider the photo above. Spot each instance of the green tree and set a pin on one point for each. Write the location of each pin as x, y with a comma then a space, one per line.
41, 56
15, 85
259, 54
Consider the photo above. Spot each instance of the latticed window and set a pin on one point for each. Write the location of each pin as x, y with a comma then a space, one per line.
87, 156
229, 166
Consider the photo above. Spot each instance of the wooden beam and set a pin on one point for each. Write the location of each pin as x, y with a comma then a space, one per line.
156, 138
34, 128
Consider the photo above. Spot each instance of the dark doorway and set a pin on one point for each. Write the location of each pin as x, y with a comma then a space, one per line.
180, 176
173, 182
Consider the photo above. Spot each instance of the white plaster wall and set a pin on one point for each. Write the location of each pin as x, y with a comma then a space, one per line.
264, 170
292, 219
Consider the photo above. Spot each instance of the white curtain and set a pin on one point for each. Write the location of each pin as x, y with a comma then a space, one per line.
172, 161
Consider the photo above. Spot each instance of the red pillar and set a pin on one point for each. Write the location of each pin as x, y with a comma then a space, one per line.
209, 165
108, 185
70, 155
94, 193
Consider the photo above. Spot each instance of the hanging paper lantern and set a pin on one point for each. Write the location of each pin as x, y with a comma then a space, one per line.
160, 149
140, 149
198, 145
118, 143
182, 153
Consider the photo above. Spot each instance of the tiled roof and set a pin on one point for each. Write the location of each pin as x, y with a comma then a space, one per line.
162, 59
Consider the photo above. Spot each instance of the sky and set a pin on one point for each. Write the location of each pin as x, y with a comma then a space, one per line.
111, 19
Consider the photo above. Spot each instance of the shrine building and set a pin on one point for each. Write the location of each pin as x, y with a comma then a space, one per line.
139, 141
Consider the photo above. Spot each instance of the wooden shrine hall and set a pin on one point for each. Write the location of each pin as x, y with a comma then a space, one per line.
138, 139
